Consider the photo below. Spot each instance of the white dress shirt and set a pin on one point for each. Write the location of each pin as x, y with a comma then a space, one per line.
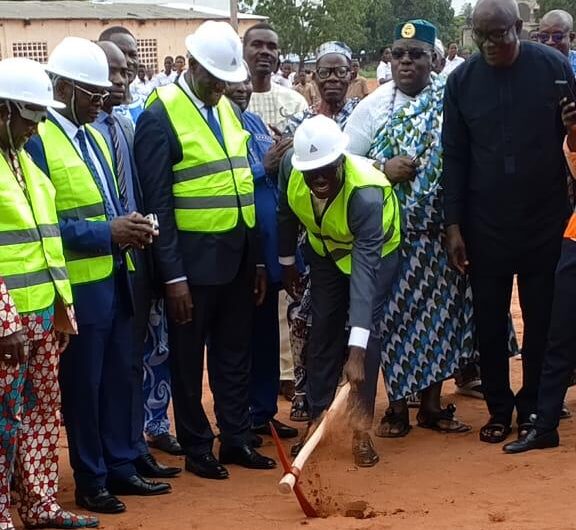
384, 71
71, 130
451, 65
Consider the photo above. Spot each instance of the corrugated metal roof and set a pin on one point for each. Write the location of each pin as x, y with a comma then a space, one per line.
78, 9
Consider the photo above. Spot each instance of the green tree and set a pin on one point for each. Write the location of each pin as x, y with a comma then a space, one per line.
296, 21
549, 5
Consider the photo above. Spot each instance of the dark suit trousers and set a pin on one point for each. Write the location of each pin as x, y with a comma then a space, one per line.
96, 378
328, 346
265, 376
142, 302
560, 357
492, 297
222, 318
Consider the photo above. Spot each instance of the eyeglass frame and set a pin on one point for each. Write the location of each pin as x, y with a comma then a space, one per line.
499, 40
95, 97
333, 70
553, 35
35, 116
412, 52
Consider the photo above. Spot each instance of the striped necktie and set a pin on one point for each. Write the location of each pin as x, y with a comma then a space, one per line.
120, 163
108, 208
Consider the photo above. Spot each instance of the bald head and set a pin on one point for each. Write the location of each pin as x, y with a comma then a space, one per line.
556, 30
559, 18
496, 26
117, 74
505, 11
112, 51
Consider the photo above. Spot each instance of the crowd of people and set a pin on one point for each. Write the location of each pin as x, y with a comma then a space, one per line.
150, 225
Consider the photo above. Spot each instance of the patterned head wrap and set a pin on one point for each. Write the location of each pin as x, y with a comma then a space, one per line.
333, 46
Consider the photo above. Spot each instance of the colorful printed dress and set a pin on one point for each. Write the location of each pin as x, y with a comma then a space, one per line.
428, 331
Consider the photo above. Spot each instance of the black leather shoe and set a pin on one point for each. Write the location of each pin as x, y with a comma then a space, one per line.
136, 485
100, 502
206, 466
533, 440
167, 443
147, 466
245, 456
365, 454
284, 431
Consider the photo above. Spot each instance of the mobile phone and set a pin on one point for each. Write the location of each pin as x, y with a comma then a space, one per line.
152, 218
565, 90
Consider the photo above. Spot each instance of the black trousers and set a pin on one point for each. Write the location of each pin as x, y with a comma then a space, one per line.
492, 297
560, 357
328, 345
222, 319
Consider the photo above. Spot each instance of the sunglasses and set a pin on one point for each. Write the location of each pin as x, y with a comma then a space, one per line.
35, 116
495, 37
413, 53
557, 37
339, 71
96, 98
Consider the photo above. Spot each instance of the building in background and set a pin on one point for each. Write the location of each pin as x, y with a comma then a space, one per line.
33, 28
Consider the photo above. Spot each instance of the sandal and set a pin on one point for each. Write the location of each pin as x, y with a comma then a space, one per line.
494, 432
443, 421
299, 409
394, 424
472, 388
524, 429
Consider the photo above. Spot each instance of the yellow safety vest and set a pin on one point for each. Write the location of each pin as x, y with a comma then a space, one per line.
78, 197
333, 236
31, 258
212, 185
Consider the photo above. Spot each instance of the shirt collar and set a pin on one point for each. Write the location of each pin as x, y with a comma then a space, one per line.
102, 117
71, 129
186, 87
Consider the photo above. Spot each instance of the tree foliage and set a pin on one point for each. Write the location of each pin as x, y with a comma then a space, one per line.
549, 5
362, 24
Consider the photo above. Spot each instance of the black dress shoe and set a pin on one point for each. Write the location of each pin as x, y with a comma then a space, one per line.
136, 485
284, 431
245, 456
206, 466
167, 443
147, 466
533, 440
100, 502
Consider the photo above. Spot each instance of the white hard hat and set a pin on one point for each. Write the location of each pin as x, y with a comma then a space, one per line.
318, 141
26, 81
80, 60
217, 47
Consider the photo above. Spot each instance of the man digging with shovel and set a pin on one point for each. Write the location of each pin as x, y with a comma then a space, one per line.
352, 222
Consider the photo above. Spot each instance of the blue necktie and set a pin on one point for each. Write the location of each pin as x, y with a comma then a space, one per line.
81, 137
215, 126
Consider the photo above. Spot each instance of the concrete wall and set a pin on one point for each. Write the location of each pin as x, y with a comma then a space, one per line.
170, 34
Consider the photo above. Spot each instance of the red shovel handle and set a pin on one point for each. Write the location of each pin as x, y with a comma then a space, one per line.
307, 508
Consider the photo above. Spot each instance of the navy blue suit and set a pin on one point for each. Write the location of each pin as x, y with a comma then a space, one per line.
96, 372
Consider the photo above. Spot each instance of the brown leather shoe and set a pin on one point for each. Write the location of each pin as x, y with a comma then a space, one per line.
365, 454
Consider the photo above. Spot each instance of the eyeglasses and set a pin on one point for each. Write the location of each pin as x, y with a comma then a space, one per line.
557, 37
35, 116
413, 53
96, 98
339, 71
495, 37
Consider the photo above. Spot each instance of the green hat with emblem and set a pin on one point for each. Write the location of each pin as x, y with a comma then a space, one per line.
419, 29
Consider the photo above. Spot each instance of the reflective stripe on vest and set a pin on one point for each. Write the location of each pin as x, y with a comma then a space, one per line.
211, 185
31, 257
333, 236
77, 196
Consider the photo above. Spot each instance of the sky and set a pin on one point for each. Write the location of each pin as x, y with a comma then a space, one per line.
457, 4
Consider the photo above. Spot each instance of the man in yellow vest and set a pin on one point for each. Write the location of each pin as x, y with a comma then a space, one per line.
98, 228
192, 159
35, 308
351, 217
